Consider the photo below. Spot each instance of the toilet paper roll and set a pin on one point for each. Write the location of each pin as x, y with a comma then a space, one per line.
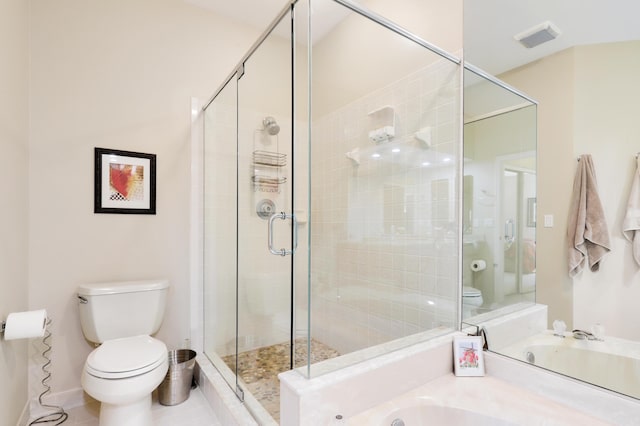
25, 325
478, 265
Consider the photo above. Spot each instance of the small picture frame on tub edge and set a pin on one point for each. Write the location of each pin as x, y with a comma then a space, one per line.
468, 359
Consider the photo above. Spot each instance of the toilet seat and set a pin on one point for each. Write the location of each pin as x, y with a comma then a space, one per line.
471, 292
126, 357
471, 296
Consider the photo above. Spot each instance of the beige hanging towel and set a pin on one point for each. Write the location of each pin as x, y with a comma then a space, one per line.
587, 231
631, 222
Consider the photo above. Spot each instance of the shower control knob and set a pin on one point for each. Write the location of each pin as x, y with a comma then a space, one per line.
265, 208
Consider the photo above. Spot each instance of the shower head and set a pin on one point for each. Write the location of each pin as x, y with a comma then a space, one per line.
271, 126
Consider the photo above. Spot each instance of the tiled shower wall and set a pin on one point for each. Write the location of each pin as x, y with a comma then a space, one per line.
384, 217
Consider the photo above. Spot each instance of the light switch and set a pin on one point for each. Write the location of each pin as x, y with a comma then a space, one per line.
548, 221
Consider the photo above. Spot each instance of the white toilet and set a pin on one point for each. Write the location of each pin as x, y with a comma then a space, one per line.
471, 300
129, 364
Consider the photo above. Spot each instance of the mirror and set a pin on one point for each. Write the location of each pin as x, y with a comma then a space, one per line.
500, 179
585, 82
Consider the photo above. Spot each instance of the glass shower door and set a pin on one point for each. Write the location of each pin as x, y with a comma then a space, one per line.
249, 227
266, 226
219, 230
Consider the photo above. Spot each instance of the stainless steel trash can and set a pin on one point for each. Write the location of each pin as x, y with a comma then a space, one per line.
176, 386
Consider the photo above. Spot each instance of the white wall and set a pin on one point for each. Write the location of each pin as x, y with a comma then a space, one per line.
550, 82
117, 74
14, 49
606, 126
341, 75
437, 22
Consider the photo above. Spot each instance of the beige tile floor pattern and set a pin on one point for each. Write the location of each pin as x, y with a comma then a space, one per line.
259, 368
195, 411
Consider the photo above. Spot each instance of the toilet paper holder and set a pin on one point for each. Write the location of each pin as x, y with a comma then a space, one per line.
60, 413
24, 325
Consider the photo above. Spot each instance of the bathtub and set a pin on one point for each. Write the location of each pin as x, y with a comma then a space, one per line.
473, 401
613, 363
429, 414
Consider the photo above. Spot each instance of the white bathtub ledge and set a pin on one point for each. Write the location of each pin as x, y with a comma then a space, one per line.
355, 388
487, 396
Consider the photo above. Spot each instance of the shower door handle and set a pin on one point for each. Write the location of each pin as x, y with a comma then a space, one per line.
294, 224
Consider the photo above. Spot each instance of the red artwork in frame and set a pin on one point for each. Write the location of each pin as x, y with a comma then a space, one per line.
125, 182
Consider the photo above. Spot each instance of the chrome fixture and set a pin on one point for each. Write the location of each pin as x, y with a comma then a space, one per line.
481, 332
271, 126
294, 224
530, 357
583, 335
265, 208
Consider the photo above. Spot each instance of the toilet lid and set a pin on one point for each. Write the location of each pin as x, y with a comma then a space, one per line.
471, 292
126, 357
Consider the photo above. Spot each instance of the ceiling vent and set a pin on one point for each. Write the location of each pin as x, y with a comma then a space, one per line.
537, 35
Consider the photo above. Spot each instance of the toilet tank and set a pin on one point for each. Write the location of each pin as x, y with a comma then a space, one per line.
121, 309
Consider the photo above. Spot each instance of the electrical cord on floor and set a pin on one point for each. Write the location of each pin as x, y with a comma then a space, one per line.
59, 414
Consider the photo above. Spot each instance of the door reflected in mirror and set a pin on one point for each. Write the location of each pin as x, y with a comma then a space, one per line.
518, 267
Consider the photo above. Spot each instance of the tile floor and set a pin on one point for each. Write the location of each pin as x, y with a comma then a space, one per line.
259, 368
195, 411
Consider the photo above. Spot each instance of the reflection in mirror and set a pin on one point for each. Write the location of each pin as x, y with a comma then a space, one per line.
518, 267
467, 205
585, 82
500, 178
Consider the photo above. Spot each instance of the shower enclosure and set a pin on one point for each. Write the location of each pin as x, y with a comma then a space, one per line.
331, 215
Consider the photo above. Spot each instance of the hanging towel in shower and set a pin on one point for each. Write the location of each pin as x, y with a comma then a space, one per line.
631, 222
587, 231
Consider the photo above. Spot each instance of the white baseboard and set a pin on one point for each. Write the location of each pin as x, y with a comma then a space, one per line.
67, 400
24, 417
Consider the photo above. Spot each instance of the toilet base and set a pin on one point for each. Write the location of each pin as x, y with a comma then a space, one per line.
137, 413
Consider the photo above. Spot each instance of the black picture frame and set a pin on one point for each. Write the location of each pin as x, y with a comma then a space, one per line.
124, 182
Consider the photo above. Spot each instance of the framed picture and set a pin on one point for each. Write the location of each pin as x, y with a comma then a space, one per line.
467, 356
125, 182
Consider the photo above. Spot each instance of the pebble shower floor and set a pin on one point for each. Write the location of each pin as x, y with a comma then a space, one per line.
259, 369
